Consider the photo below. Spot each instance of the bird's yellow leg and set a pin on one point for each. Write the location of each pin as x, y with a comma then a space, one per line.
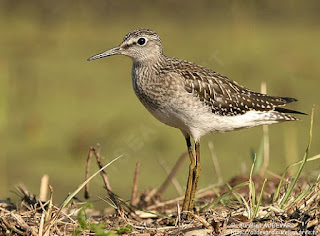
196, 175
187, 196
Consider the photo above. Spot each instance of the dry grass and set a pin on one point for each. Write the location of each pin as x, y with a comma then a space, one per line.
229, 216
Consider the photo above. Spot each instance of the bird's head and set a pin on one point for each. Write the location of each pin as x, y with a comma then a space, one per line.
140, 45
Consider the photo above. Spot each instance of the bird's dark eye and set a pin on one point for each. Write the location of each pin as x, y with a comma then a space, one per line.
141, 41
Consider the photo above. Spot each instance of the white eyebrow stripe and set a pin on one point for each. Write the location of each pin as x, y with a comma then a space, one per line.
131, 41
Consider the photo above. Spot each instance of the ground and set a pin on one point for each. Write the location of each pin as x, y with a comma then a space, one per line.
227, 212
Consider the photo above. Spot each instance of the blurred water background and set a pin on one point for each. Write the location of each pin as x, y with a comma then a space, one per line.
54, 104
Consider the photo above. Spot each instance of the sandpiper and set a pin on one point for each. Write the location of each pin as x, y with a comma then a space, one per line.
193, 98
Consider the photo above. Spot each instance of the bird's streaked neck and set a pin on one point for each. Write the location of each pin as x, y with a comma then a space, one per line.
148, 59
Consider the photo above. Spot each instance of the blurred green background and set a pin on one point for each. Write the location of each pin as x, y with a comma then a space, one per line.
54, 104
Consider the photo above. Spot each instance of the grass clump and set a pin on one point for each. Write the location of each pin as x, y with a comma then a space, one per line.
83, 224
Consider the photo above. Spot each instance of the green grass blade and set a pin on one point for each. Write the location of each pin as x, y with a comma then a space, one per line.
316, 157
252, 190
306, 192
276, 195
304, 160
214, 203
259, 157
235, 194
260, 199
222, 201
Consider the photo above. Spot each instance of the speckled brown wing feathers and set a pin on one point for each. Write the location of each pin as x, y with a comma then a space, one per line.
224, 96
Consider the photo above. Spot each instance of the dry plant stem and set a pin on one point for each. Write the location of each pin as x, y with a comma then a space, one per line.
103, 172
106, 181
266, 146
178, 216
174, 181
202, 221
41, 223
87, 174
172, 174
10, 227
134, 199
49, 212
44, 188
150, 195
21, 222
96, 152
273, 174
215, 162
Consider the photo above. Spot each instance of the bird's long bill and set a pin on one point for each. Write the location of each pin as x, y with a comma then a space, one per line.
110, 52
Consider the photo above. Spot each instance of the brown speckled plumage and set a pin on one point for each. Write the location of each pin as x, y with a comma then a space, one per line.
224, 96
193, 98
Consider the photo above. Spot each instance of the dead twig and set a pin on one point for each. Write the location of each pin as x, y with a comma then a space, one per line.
96, 152
44, 188
151, 194
22, 223
134, 199
12, 227
174, 181
178, 222
171, 175
215, 162
201, 220
266, 143
87, 174
103, 173
48, 215
113, 197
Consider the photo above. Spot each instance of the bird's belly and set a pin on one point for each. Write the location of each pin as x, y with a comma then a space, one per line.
162, 112
198, 120
181, 113
204, 123
187, 113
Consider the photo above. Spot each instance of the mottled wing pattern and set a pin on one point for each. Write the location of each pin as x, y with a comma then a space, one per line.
224, 96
